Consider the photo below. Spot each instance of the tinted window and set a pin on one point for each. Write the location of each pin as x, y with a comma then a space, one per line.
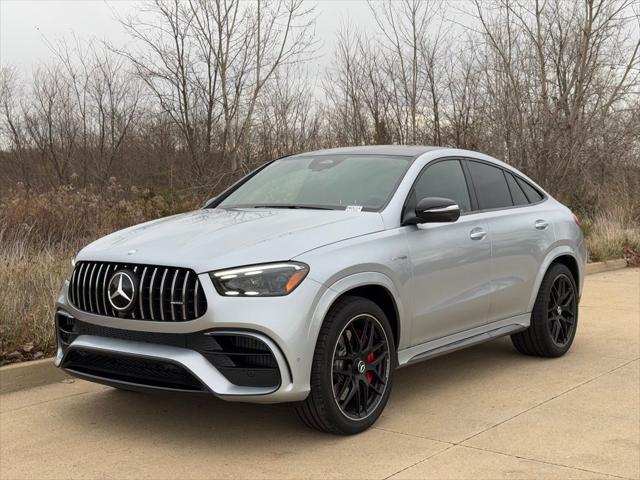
532, 194
444, 179
331, 181
491, 186
519, 198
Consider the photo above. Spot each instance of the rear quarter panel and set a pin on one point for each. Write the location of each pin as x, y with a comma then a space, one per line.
568, 241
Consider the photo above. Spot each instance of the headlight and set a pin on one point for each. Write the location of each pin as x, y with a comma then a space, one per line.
267, 280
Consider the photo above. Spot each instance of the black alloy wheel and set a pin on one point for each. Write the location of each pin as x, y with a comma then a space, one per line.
352, 368
554, 318
562, 310
361, 364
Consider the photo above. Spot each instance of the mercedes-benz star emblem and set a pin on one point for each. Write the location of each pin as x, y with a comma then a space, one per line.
122, 290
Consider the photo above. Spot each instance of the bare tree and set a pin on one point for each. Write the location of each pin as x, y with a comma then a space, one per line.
208, 61
406, 26
287, 117
12, 129
106, 99
344, 84
51, 123
560, 75
208, 89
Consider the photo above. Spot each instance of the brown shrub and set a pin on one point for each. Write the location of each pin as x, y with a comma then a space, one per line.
39, 234
31, 284
612, 234
69, 218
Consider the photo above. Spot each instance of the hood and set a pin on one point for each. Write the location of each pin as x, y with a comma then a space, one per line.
210, 239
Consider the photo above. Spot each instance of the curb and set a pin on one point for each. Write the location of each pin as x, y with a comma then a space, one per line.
20, 376
25, 375
606, 266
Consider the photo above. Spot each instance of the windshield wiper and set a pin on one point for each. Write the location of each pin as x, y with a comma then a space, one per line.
294, 206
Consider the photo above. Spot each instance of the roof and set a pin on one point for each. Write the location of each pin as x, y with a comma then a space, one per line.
403, 150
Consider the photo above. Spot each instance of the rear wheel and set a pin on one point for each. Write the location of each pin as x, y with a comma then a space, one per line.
352, 369
554, 318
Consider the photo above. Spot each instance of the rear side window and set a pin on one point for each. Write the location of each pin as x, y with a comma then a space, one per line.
532, 194
519, 198
443, 179
490, 185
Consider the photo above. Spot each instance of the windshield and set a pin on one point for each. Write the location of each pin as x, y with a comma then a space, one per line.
325, 181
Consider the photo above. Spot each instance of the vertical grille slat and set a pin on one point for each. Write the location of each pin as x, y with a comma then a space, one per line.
184, 295
104, 289
84, 286
141, 294
133, 312
195, 297
72, 286
164, 277
171, 298
93, 269
177, 292
97, 290
113, 310
78, 288
153, 277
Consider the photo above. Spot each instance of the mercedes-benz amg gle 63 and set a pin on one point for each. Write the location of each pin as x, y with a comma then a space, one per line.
314, 277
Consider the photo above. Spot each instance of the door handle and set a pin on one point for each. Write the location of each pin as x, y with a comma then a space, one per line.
477, 234
541, 224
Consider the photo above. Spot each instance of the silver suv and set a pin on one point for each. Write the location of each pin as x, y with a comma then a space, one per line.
317, 275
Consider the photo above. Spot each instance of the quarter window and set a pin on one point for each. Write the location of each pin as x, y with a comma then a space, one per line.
532, 194
519, 198
443, 179
490, 186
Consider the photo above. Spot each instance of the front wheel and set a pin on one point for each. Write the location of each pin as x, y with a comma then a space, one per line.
352, 369
554, 318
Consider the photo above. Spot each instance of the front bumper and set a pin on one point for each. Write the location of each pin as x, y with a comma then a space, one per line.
173, 355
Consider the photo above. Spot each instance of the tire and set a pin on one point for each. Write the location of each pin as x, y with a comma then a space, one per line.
346, 397
554, 319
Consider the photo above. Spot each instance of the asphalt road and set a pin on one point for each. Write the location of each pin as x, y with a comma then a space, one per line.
486, 412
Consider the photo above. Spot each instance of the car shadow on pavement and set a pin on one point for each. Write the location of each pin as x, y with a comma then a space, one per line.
204, 420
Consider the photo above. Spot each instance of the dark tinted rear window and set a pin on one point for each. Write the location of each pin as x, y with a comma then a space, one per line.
490, 185
519, 198
532, 194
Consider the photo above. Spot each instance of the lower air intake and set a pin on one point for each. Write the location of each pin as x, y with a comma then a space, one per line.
134, 370
243, 359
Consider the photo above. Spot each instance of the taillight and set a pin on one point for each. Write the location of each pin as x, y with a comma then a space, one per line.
576, 219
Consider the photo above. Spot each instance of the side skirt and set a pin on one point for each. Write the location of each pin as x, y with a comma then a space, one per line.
464, 339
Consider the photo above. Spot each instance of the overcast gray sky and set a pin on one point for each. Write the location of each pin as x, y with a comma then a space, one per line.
26, 25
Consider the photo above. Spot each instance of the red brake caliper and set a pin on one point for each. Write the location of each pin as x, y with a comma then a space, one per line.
370, 358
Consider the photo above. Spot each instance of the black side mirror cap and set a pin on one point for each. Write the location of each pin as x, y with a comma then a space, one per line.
435, 210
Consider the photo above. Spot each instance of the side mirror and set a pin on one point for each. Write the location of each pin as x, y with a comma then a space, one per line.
436, 209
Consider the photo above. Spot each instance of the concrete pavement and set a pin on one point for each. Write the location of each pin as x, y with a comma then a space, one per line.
485, 412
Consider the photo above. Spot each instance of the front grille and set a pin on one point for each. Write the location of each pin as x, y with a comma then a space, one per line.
139, 371
163, 294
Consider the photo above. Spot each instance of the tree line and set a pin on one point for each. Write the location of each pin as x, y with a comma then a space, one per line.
208, 89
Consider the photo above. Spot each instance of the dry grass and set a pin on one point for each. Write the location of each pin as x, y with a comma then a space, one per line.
68, 218
39, 233
27, 302
615, 234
